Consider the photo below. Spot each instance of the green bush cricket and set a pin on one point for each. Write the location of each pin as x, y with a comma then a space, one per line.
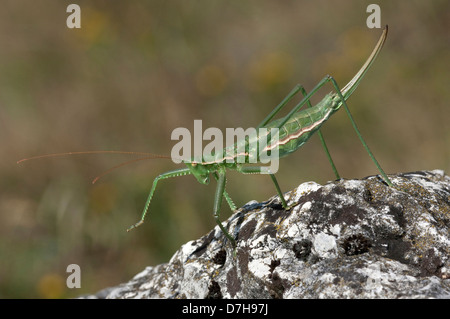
294, 130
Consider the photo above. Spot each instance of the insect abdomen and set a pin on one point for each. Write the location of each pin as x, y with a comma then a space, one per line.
297, 131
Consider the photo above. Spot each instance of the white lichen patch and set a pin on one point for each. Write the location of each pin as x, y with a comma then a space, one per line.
260, 267
325, 245
336, 230
353, 184
304, 189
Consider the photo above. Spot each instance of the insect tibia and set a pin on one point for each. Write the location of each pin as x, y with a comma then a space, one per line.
139, 223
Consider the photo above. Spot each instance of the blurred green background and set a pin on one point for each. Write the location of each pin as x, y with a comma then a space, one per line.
136, 70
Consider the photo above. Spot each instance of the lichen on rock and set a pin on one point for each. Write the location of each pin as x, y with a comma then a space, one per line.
344, 239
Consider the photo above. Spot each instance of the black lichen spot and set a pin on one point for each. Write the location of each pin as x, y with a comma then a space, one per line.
276, 288
356, 245
233, 282
348, 214
220, 257
270, 230
367, 195
243, 258
395, 249
430, 264
273, 264
273, 215
214, 291
339, 190
247, 230
397, 212
200, 250
302, 249
275, 205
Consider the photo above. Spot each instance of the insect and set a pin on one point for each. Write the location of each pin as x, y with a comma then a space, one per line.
294, 129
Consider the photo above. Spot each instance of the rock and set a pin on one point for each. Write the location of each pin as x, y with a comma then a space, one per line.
345, 239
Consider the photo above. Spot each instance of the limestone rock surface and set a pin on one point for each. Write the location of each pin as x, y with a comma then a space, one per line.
344, 239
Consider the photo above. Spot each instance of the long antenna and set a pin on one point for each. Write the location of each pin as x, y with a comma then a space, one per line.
120, 165
148, 155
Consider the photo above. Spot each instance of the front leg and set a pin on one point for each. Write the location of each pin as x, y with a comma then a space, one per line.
227, 196
174, 173
220, 190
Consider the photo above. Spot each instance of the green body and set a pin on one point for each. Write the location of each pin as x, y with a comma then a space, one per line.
301, 126
295, 129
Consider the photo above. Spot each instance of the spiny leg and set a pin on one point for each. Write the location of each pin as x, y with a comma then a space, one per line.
322, 140
174, 173
306, 99
338, 91
227, 196
282, 104
217, 203
296, 108
280, 193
